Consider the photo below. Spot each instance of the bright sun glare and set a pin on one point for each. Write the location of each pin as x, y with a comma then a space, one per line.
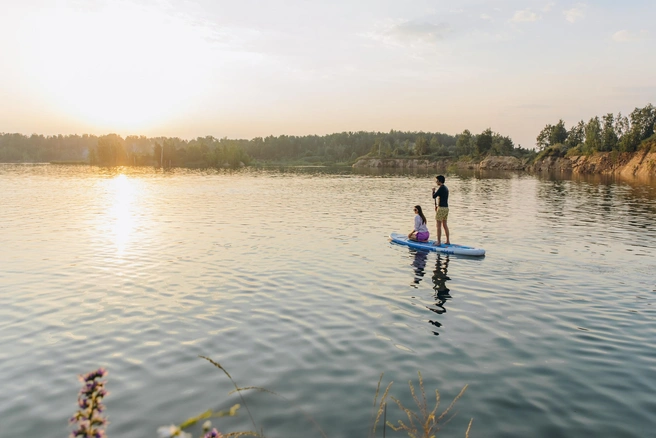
121, 218
120, 65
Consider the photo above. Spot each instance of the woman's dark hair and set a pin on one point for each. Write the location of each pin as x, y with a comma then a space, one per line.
420, 213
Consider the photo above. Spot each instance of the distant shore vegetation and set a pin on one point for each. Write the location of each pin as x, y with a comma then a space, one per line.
332, 149
610, 133
606, 134
114, 150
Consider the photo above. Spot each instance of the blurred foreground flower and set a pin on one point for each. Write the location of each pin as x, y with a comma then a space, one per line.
213, 434
172, 431
178, 431
88, 419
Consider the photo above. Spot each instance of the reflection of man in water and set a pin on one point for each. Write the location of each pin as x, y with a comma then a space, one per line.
439, 275
439, 286
419, 265
439, 279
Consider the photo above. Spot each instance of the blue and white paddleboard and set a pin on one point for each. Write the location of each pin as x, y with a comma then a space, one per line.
402, 239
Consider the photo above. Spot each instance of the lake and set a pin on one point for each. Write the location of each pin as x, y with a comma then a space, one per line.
287, 278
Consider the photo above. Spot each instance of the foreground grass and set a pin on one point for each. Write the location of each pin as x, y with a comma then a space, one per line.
420, 422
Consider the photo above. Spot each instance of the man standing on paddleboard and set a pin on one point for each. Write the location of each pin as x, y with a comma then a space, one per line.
441, 198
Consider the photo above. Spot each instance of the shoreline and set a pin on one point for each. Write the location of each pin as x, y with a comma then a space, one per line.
637, 164
640, 164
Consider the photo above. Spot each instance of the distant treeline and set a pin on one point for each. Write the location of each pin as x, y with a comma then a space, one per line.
610, 133
113, 150
345, 147
18, 148
348, 146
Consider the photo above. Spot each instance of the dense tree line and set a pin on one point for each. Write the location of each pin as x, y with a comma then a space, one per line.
610, 133
114, 150
347, 146
168, 152
344, 147
38, 148
487, 143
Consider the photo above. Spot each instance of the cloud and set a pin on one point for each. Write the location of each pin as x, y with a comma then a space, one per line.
576, 13
486, 17
625, 36
411, 33
524, 17
548, 6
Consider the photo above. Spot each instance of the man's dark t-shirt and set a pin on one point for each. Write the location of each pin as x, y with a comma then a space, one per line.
443, 193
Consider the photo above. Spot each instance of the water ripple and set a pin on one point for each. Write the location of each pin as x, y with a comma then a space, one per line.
286, 278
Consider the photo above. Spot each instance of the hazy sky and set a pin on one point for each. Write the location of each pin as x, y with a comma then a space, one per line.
253, 68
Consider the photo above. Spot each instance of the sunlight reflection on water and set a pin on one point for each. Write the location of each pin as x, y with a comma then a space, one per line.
121, 194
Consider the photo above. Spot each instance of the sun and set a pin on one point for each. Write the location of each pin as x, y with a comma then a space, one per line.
120, 66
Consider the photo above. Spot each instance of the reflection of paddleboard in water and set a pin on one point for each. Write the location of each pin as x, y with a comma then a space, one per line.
402, 239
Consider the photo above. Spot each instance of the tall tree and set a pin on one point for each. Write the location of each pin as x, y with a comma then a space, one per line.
157, 153
111, 151
464, 144
421, 145
593, 135
484, 142
544, 137
434, 144
558, 133
621, 125
608, 134
576, 135
642, 121
502, 145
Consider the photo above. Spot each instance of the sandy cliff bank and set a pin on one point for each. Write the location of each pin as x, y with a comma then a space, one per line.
640, 164
489, 163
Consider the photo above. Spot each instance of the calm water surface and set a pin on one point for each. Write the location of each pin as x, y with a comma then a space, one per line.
288, 280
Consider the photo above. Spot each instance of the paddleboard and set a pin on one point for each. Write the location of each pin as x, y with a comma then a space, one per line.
402, 239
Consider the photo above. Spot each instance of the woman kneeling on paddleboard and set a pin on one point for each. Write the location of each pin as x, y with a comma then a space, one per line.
420, 233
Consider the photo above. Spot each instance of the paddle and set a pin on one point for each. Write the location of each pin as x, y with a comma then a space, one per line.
434, 199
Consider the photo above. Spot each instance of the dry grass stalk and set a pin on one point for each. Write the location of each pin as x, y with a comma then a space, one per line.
239, 390
381, 406
218, 365
424, 424
238, 434
469, 428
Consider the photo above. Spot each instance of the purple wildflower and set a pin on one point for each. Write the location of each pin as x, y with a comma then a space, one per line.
88, 419
93, 375
213, 434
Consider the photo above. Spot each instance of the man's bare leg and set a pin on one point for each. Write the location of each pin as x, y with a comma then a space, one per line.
446, 232
439, 233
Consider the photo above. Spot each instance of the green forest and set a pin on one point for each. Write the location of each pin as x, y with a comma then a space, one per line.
113, 150
339, 148
608, 133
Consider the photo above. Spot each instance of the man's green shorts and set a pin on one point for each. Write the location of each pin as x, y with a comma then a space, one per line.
442, 213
